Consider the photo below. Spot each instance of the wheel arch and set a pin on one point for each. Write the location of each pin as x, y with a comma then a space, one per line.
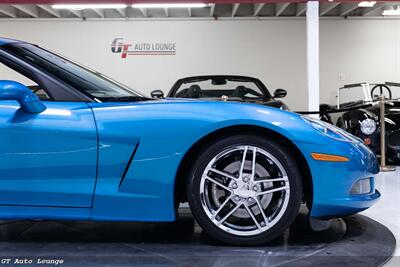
189, 157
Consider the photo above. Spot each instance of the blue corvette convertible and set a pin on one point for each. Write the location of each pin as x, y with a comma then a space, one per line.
76, 145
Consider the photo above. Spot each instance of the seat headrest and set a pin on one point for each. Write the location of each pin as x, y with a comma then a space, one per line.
240, 91
195, 87
194, 91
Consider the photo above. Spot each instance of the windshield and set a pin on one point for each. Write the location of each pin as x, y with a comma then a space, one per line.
366, 92
217, 87
353, 95
91, 83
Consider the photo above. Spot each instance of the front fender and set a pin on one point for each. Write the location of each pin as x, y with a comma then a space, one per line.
141, 146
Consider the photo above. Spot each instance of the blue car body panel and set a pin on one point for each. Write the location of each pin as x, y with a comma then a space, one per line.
118, 161
332, 181
47, 159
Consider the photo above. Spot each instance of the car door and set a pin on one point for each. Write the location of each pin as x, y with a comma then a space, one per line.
47, 159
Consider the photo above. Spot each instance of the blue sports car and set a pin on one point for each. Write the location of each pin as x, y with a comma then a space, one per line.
76, 145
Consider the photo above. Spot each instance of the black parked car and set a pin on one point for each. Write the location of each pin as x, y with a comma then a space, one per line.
225, 88
364, 122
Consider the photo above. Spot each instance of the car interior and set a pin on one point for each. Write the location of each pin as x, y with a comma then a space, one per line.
219, 90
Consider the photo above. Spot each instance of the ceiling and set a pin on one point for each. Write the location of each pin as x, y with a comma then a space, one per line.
238, 10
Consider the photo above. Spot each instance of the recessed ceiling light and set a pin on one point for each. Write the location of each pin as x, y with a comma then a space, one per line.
367, 4
180, 5
391, 12
88, 6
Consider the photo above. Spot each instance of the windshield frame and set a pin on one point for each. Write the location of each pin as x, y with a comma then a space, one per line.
257, 82
106, 82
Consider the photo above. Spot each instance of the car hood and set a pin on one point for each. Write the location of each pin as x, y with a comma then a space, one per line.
270, 102
210, 116
205, 101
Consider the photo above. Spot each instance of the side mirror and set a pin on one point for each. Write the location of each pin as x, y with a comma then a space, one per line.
29, 102
157, 94
280, 93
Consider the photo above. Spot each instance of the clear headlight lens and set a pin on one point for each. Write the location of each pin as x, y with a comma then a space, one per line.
330, 130
368, 126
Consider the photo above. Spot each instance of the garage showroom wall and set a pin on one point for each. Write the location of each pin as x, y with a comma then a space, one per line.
272, 50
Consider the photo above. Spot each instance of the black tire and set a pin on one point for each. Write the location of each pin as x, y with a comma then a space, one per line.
281, 153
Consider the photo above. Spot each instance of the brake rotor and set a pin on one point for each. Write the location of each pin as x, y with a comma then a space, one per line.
218, 195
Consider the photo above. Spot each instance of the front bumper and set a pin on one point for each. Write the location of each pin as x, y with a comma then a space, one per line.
333, 181
337, 207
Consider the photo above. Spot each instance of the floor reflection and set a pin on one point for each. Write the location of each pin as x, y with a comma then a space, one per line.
180, 243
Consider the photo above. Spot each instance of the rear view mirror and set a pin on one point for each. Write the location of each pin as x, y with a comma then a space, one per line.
219, 81
280, 93
29, 102
157, 94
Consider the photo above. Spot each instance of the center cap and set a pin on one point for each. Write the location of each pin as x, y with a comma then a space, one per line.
243, 190
244, 193
244, 187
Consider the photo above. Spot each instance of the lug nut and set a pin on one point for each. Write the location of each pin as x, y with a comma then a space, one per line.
245, 179
249, 199
237, 198
255, 188
234, 186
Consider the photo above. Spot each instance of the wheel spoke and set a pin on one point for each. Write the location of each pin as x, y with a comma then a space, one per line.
283, 188
262, 211
243, 161
253, 165
229, 214
266, 180
221, 207
223, 174
218, 183
252, 216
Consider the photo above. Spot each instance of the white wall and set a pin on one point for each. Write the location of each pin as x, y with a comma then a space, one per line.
361, 50
272, 50
268, 50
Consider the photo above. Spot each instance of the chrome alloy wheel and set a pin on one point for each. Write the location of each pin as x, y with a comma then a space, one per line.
244, 190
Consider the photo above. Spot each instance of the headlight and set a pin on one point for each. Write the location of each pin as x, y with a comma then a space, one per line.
330, 130
368, 126
363, 186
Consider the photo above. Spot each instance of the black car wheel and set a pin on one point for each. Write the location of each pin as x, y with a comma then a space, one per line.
245, 190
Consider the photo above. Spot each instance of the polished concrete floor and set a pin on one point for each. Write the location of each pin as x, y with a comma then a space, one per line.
387, 210
356, 241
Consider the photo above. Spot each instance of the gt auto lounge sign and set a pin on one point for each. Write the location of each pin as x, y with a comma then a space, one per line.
118, 46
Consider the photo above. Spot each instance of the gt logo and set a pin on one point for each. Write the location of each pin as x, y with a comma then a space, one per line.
5, 261
118, 46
